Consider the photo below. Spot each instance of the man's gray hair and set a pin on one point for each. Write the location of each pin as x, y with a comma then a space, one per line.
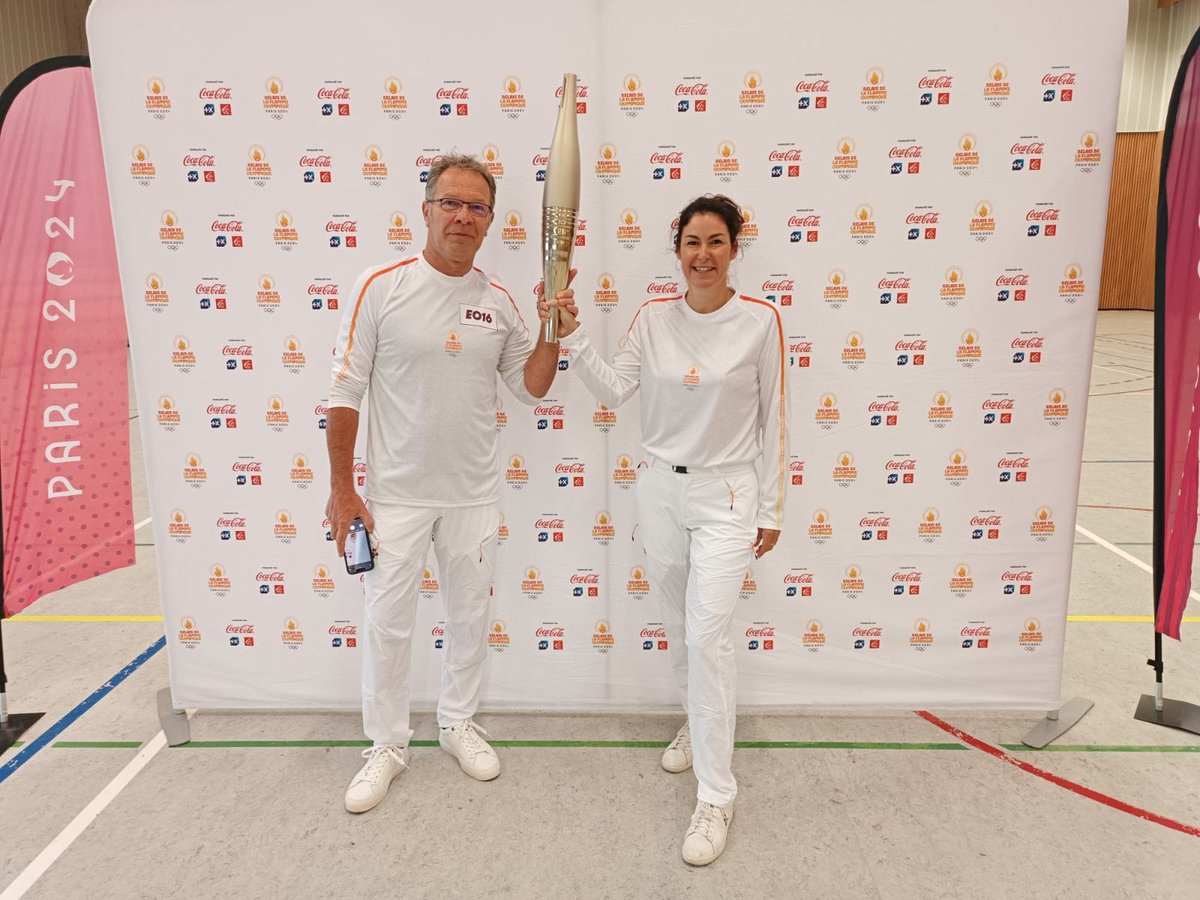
458, 161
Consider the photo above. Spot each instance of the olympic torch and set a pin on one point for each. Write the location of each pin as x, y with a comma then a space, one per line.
560, 203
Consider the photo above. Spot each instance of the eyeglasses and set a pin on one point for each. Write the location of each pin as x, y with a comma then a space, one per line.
453, 205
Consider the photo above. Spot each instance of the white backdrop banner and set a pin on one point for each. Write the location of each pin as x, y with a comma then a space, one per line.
925, 196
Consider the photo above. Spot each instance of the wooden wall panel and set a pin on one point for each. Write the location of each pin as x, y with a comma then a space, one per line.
1128, 278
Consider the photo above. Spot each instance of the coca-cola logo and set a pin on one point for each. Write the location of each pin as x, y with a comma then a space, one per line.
1012, 280
913, 151
985, 520
548, 523
557, 631
894, 465
231, 521
667, 287
569, 468
359, 467
541, 159
1017, 576
322, 161
874, 631
1042, 215
251, 466
320, 410
674, 158
269, 576
760, 631
581, 92
344, 225
800, 347
977, 631
231, 225
810, 221
693, 89
237, 350
548, 410
906, 576
925, 218
1013, 462
915, 344
458, 93
427, 160
654, 632
220, 93
243, 628
1007, 403
884, 406
792, 155
902, 283
875, 522
438, 631
940, 82
323, 290
1028, 343
783, 284
1058, 78
204, 159
585, 578
798, 578
340, 93
1032, 148
206, 287
343, 629
222, 409
818, 86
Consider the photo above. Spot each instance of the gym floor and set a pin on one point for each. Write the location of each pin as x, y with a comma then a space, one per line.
863, 804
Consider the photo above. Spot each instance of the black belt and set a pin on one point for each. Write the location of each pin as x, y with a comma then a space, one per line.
682, 470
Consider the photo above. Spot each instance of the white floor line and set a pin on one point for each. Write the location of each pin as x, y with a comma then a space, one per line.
143, 523
67, 836
1123, 371
1096, 539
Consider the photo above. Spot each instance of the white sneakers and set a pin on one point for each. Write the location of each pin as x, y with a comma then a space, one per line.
386, 761
705, 837
475, 756
678, 755
370, 785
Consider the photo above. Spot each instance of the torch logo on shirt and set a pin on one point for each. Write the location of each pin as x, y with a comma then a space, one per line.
691, 378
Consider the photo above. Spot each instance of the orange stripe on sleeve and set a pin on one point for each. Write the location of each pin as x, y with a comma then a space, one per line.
358, 305
647, 303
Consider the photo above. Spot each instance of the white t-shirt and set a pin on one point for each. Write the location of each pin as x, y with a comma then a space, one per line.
429, 346
713, 387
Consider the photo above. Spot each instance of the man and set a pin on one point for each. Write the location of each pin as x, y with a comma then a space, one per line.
427, 335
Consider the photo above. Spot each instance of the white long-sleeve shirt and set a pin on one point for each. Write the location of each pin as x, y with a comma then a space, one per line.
429, 346
713, 387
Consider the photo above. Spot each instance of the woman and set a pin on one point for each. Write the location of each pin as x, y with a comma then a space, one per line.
714, 425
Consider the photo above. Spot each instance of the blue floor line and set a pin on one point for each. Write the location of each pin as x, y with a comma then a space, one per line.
44, 739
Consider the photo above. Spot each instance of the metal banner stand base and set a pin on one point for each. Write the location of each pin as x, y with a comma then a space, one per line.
12, 727
1173, 713
1057, 722
174, 721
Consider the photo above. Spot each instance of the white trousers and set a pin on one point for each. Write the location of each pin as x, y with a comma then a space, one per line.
464, 540
698, 533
